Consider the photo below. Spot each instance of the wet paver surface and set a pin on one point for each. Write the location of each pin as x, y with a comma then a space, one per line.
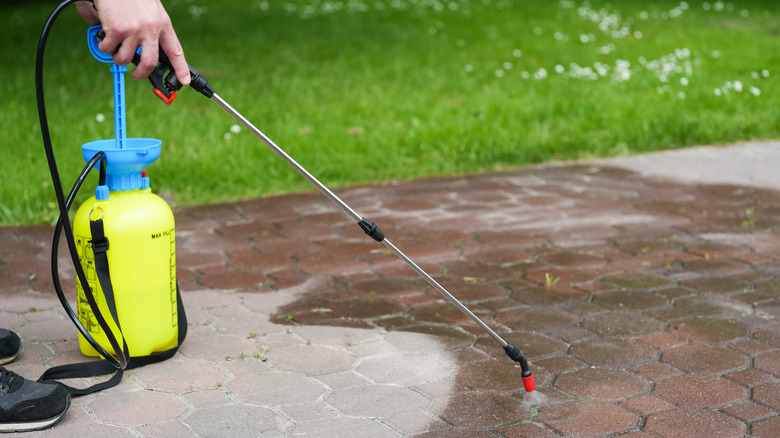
647, 303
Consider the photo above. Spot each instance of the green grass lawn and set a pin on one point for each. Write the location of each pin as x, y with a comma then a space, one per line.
375, 90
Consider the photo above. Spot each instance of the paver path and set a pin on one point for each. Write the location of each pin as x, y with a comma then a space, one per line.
647, 304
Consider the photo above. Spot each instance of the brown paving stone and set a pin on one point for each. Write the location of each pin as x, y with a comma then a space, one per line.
768, 394
535, 319
480, 409
629, 300
565, 276
769, 362
572, 259
582, 309
703, 306
704, 358
572, 334
688, 422
365, 308
769, 335
588, 418
492, 375
527, 430
748, 411
386, 286
646, 405
717, 284
559, 364
449, 337
441, 312
646, 247
766, 428
614, 353
599, 383
750, 377
548, 296
716, 267
248, 259
232, 280
699, 391
622, 324
708, 330
664, 341
637, 281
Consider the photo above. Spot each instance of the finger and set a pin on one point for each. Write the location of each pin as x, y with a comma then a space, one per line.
149, 57
125, 52
171, 46
110, 42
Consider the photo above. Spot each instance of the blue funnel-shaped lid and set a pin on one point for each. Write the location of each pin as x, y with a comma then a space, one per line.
124, 166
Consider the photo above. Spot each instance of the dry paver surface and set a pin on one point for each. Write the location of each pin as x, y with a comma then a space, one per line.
646, 302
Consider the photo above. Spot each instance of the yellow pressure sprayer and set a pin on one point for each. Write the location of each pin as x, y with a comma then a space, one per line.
139, 225
123, 246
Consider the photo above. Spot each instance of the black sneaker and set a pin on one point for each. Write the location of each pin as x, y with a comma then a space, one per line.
10, 344
26, 405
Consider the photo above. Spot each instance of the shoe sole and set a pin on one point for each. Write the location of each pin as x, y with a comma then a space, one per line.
6, 360
32, 425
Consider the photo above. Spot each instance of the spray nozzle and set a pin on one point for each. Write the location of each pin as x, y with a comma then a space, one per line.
164, 82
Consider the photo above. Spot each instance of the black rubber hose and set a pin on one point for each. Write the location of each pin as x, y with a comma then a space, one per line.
120, 361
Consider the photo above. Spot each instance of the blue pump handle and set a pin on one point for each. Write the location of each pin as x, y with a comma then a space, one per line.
120, 119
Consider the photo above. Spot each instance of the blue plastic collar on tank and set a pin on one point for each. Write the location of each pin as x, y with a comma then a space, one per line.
124, 166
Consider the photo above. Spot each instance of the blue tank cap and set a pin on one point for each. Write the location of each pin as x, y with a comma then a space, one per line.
101, 193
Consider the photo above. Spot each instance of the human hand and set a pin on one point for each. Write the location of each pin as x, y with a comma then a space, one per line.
129, 24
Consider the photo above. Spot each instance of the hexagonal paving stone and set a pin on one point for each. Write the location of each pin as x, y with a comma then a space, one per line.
708, 330
766, 428
768, 394
769, 362
408, 369
492, 375
274, 388
480, 409
114, 407
693, 423
710, 307
602, 384
613, 353
622, 323
588, 418
548, 296
704, 358
236, 421
535, 318
637, 281
696, 390
630, 300
376, 400
717, 284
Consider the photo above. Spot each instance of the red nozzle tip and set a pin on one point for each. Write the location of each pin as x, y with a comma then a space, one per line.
528, 383
162, 97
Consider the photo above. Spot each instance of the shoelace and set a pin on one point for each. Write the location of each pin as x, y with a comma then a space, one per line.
5, 378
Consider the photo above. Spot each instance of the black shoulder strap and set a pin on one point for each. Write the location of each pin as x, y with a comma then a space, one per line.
104, 367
